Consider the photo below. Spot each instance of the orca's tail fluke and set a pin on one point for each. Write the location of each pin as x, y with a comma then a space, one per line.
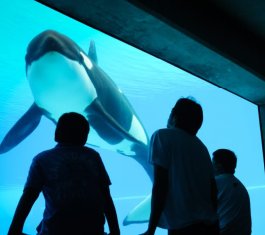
139, 214
23, 127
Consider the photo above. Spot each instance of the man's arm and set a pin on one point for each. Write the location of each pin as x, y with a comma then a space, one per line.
24, 206
159, 194
110, 213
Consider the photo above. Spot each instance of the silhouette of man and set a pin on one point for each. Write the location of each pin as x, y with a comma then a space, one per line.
233, 199
74, 183
184, 190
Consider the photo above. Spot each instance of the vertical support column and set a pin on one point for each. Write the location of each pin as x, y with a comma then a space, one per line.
262, 128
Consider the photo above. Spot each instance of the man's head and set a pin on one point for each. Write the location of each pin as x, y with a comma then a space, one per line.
187, 115
224, 161
72, 128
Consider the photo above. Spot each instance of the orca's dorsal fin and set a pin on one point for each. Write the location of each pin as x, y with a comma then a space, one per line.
92, 53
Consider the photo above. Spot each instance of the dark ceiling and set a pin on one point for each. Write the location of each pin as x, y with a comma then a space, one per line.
220, 41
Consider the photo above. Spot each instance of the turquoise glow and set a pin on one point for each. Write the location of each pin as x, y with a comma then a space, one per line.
151, 86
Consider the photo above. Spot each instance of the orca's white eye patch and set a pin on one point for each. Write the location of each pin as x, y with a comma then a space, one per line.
87, 61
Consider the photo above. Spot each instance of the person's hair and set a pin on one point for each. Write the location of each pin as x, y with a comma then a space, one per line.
72, 128
226, 159
188, 115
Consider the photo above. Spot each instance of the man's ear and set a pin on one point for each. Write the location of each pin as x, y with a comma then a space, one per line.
218, 168
171, 122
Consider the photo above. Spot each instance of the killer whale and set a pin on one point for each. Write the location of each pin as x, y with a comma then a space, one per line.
63, 78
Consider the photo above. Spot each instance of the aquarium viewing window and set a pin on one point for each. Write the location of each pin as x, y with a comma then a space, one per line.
150, 85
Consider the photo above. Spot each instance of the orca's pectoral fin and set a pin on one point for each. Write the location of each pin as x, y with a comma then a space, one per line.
105, 125
23, 127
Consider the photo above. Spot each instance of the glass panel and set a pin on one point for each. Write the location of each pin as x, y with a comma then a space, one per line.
151, 87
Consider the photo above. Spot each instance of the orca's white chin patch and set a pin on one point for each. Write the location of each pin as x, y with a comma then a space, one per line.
60, 85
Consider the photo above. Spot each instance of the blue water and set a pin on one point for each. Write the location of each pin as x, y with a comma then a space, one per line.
152, 87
